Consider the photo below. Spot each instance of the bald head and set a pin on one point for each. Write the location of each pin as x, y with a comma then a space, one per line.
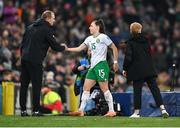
135, 28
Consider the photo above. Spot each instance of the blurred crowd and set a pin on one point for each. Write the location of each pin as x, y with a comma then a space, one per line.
161, 26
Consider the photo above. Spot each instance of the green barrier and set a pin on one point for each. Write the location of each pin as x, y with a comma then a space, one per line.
8, 98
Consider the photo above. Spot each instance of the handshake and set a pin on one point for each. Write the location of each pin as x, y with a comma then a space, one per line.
65, 46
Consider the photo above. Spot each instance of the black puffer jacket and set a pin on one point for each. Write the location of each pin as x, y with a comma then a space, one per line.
37, 38
138, 61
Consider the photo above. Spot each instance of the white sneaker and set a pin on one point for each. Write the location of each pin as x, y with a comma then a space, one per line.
134, 115
165, 114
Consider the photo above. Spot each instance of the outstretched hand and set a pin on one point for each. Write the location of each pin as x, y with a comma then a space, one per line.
81, 68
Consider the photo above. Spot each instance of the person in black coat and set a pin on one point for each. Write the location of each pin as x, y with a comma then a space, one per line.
138, 67
37, 39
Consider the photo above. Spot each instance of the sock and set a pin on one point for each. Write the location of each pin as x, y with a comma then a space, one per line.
163, 110
136, 111
162, 107
84, 98
109, 100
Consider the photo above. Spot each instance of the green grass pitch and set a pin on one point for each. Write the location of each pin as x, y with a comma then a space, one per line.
87, 121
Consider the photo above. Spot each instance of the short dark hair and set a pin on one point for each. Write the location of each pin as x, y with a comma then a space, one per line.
47, 14
100, 23
6, 72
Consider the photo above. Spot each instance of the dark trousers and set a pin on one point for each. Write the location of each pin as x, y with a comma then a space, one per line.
44, 110
152, 84
30, 72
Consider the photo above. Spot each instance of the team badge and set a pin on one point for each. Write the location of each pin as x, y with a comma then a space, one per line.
97, 40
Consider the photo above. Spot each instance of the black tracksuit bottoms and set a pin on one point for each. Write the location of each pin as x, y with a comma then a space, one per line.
30, 72
152, 84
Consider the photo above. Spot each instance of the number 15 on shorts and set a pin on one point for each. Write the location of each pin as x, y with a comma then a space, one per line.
101, 73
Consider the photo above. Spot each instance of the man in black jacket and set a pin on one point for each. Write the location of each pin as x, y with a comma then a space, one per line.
138, 67
37, 38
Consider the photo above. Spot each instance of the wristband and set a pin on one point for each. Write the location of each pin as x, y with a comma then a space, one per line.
115, 62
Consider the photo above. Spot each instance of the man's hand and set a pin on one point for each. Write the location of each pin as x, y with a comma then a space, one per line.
124, 73
81, 68
115, 67
64, 46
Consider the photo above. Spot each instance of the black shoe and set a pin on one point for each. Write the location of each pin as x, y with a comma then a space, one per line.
37, 113
24, 113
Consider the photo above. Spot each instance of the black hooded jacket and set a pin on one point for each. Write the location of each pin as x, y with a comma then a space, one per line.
37, 38
138, 62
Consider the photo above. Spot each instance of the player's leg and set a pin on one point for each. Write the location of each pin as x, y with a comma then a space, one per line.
102, 73
90, 81
88, 84
108, 97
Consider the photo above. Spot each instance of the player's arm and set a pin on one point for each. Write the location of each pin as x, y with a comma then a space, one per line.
115, 54
77, 49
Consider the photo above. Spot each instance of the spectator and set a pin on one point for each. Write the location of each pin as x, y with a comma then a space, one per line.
51, 83
163, 81
10, 13
1, 8
7, 76
51, 102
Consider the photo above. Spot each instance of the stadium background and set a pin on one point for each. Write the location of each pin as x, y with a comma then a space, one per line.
160, 20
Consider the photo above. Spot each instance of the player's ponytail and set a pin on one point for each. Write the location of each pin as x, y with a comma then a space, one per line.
101, 25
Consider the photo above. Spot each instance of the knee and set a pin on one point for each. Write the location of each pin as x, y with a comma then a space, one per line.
86, 88
104, 88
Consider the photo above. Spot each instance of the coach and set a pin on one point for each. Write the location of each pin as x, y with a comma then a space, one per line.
138, 67
37, 38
